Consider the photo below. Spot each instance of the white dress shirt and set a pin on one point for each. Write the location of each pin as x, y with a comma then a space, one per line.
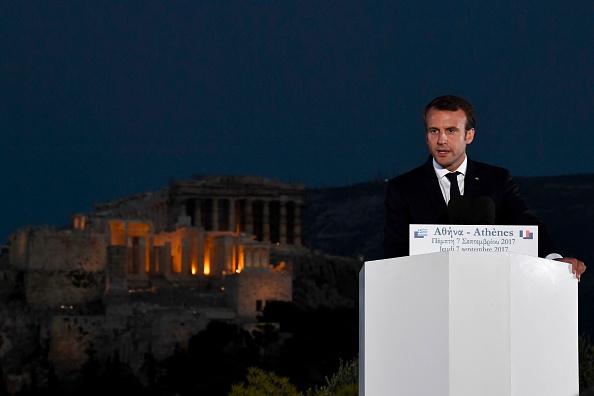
444, 182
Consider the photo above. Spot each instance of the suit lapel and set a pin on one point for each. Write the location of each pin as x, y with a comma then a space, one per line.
472, 181
431, 185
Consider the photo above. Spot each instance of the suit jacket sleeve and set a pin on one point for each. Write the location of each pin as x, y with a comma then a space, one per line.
515, 211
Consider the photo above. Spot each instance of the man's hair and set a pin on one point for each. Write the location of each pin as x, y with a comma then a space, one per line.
452, 103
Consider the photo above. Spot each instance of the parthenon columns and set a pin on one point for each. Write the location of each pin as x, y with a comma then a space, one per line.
271, 220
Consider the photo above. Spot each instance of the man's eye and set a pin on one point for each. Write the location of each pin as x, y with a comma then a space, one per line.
452, 130
432, 130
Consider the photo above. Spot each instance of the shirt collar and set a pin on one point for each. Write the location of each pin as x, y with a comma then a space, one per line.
441, 171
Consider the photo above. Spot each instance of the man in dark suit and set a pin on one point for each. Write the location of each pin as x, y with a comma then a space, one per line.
421, 195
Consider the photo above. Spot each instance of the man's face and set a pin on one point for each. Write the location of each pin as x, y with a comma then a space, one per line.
446, 137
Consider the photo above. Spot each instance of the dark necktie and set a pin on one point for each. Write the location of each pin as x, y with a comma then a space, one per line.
454, 189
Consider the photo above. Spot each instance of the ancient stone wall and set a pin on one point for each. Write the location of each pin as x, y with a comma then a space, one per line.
19, 245
51, 250
65, 267
249, 290
116, 282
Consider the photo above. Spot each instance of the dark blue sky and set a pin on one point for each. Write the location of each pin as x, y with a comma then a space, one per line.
100, 100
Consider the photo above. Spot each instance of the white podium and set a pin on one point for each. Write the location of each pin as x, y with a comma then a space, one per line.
467, 324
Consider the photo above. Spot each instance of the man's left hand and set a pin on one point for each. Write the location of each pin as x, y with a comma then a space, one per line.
577, 266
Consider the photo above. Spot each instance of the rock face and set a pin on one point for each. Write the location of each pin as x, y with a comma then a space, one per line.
23, 342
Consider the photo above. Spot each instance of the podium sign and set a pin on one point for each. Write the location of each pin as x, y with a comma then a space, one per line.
434, 238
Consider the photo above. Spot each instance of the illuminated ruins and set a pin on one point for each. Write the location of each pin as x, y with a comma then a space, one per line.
148, 271
203, 231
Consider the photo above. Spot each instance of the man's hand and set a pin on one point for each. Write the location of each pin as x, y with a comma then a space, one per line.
577, 266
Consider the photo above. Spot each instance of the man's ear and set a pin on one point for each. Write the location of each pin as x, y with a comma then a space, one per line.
469, 136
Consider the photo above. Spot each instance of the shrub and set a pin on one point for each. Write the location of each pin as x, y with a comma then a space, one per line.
263, 383
586, 358
345, 382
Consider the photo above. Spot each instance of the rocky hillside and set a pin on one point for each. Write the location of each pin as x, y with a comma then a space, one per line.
346, 221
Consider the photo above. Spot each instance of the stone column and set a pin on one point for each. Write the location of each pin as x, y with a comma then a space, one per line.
140, 265
283, 222
215, 214
265, 221
167, 263
185, 257
197, 213
249, 216
229, 254
232, 222
151, 254
129, 254
297, 224
240, 256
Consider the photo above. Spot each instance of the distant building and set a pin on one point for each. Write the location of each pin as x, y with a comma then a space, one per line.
218, 233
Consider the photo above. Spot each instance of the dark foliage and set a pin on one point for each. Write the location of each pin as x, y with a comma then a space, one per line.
216, 358
321, 338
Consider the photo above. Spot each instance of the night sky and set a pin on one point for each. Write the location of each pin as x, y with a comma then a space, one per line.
100, 100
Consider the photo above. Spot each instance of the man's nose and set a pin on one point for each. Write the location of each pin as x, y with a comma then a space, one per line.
442, 138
